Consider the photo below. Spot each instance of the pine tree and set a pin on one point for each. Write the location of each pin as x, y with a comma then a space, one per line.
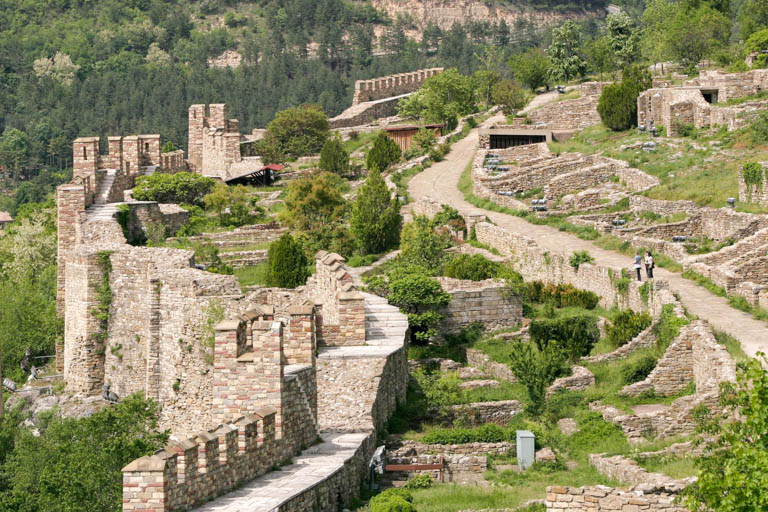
333, 157
286, 263
376, 219
384, 153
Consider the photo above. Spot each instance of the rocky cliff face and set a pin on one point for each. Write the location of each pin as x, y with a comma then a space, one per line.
446, 12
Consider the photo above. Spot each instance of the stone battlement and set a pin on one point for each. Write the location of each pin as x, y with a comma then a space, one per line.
392, 85
193, 471
214, 143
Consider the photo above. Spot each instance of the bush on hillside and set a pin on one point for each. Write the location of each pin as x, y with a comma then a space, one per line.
575, 335
383, 154
474, 267
626, 325
179, 188
392, 500
286, 263
299, 131
333, 157
561, 295
618, 102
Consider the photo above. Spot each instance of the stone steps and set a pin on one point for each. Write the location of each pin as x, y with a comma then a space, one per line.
101, 212
102, 195
384, 324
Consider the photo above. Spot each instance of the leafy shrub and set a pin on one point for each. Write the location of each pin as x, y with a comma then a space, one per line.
639, 370
439, 389
758, 129
626, 325
286, 263
208, 255
489, 433
561, 295
391, 504
668, 326
618, 102
510, 96
375, 219
383, 154
333, 157
298, 131
536, 369
421, 481
753, 175
179, 188
421, 245
575, 335
475, 267
579, 257
684, 129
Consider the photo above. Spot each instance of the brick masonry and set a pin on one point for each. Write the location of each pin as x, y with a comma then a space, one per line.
486, 302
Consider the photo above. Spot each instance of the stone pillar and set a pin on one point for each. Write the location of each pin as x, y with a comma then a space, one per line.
149, 148
229, 375
351, 318
147, 484
233, 125
131, 155
70, 207
85, 158
300, 346
218, 115
232, 147
268, 344
83, 335
115, 145
195, 136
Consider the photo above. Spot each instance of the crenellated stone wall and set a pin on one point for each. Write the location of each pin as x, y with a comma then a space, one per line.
392, 85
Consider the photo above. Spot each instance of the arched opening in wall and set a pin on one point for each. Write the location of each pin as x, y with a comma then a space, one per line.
85, 154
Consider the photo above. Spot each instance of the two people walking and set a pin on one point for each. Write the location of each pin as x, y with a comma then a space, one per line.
649, 265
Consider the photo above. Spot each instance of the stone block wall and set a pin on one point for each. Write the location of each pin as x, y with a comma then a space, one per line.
365, 113
126, 153
480, 301
674, 370
603, 499
500, 412
193, 471
645, 339
573, 114
343, 307
360, 392
392, 85
579, 380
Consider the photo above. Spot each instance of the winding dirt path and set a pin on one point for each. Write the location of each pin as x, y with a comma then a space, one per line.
440, 182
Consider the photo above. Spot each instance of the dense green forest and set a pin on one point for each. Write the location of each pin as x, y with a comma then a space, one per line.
77, 67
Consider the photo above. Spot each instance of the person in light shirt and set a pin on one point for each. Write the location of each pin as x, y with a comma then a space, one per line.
649, 264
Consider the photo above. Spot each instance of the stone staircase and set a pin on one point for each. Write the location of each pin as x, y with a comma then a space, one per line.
101, 212
102, 195
384, 324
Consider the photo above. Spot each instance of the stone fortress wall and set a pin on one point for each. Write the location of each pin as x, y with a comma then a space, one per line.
695, 102
377, 98
236, 377
392, 85
214, 143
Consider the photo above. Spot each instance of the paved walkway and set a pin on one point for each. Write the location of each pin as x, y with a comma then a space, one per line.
267, 493
440, 182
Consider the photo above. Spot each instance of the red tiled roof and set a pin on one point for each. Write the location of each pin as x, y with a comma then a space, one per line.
273, 167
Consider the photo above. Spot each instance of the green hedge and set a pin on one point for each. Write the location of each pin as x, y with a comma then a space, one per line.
561, 295
626, 325
486, 434
576, 335
475, 267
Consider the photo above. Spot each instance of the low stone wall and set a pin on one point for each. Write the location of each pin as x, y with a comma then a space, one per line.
573, 114
536, 264
238, 259
414, 448
457, 469
628, 471
580, 379
481, 361
695, 353
245, 235
645, 339
604, 499
500, 412
486, 301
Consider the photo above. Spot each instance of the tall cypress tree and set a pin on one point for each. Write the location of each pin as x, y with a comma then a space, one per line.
375, 219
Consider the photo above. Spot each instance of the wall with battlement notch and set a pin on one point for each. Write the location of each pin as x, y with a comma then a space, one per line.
392, 85
343, 309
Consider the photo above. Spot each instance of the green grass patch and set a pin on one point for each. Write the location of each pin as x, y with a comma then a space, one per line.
705, 282
732, 345
674, 467
452, 497
252, 275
